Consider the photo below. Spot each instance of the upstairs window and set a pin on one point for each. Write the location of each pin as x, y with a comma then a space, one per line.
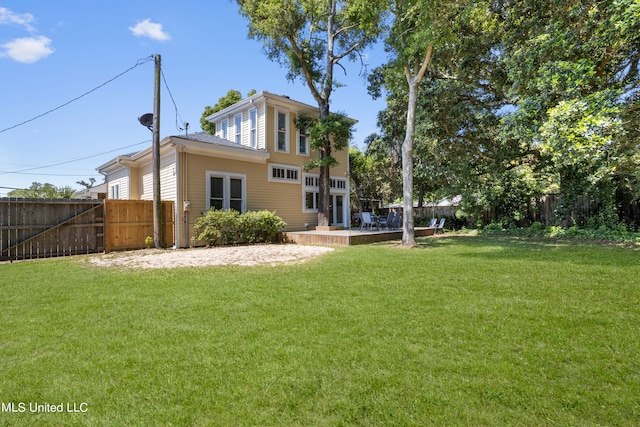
224, 128
303, 142
237, 121
253, 128
282, 129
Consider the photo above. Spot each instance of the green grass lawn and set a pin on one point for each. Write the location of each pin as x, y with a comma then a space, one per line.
461, 331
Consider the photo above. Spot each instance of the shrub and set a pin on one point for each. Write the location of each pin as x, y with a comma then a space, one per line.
217, 227
260, 226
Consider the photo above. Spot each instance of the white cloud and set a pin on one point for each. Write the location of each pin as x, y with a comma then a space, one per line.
150, 29
24, 19
27, 50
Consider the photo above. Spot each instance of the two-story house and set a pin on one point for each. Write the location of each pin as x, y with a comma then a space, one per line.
254, 161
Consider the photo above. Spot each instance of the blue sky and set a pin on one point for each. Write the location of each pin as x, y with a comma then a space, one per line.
53, 52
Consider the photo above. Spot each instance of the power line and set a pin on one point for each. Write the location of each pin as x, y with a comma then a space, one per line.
74, 160
140, 62
51, 174
174, 102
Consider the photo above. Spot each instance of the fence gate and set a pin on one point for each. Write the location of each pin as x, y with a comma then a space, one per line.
36, 228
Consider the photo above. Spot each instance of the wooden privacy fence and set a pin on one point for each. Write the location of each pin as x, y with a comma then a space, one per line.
129, 222
36, 228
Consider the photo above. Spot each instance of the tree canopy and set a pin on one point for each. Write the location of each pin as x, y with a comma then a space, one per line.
38, 190
229, 99
524, 99
310, 38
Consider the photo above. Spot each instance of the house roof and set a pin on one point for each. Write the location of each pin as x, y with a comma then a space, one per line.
267, 96
264, 95
209, 145
198, 143
212, 139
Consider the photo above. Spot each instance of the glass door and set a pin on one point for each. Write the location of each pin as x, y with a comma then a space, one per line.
337, 209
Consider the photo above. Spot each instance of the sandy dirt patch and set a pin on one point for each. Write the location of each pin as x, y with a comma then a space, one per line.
202, 257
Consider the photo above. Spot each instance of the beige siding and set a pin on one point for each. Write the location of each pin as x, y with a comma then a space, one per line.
134, 183
120, 178
146, 182
285, 199
168, 178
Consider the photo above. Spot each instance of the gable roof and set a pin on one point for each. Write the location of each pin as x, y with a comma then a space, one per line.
263, 96
197, 143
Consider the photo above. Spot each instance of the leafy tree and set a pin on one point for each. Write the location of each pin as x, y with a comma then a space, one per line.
311, 37
421, 32
573, 73
229, 99
44, 191
371, 178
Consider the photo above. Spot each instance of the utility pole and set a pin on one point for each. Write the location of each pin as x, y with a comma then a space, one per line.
158, 235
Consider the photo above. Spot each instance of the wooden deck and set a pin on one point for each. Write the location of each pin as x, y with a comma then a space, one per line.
349, 237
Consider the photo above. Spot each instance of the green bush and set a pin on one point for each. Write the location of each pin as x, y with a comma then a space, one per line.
618, 234
217, 227
260, 226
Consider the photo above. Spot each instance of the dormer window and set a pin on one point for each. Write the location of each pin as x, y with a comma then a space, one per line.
237, 120
253, 128
224, 128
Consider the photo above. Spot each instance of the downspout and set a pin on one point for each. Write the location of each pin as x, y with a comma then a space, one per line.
176, 225
347, 217
185, 194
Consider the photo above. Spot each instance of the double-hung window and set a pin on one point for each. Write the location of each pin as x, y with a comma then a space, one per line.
282, 131
224, 128
115, 192
226, 191
253, 128
303, 142
237, 123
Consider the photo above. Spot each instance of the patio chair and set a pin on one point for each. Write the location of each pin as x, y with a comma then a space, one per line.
389, 221
366, 221
440, 226
382, 222
396, 220
433, 222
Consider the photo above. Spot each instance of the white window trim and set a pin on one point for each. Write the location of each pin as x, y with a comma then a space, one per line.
286, 131
224, 130
237, 129
114, 191
253, 128
227, 188
284, 180
315, 189
298, 135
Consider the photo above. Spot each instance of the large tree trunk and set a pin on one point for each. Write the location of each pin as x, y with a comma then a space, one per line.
408, 233
413, 79
324, 181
